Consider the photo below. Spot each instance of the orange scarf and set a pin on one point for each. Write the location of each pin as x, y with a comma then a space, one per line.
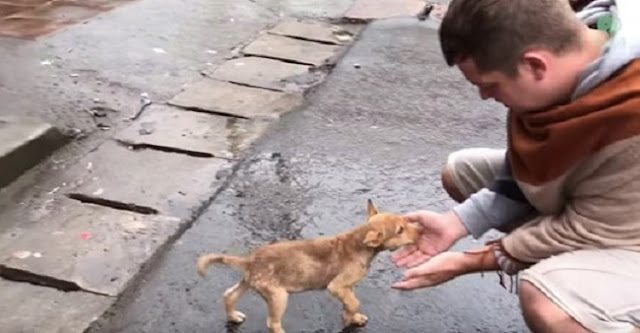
545, 145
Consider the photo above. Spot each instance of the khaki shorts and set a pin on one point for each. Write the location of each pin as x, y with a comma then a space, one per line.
598, 288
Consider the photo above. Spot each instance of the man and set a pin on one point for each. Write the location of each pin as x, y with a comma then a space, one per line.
566, 191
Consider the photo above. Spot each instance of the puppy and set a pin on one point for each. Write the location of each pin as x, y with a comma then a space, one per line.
334, 263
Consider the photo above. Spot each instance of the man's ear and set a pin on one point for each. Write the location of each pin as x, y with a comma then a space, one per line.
373, 238
371, 209
536, 63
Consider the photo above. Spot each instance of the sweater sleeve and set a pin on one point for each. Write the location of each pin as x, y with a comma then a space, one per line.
501, 206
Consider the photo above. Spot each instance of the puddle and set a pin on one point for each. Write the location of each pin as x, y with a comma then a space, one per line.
29, 19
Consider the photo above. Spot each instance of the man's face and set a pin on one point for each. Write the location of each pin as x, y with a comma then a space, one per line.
532, 89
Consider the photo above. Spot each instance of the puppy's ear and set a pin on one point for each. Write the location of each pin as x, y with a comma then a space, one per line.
371, 208
373, 238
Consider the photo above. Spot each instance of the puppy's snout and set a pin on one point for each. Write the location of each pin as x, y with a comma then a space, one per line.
415, 231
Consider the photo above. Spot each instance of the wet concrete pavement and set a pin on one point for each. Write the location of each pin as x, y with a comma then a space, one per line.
109, 58
143, 46
379, 127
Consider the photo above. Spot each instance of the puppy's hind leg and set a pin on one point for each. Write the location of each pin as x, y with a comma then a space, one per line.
231, 297
277, 299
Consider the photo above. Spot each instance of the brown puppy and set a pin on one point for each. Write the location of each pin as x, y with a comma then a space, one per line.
334, 263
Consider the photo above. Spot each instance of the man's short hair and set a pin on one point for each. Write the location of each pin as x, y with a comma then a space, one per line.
495, 33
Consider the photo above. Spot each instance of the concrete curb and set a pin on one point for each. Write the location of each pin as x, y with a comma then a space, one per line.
23, 144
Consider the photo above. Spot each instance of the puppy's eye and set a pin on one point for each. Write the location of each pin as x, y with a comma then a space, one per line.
400, 229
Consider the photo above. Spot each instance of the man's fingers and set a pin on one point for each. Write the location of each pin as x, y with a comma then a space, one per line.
417, 260
405, 251
410, 258
413, 216
402, 257
419, 271
410, 284
421, 281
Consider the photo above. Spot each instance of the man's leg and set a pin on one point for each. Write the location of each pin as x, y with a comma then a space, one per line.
469, 170
583, 291
542, 315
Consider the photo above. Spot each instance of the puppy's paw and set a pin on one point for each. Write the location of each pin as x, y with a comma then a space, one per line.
357, 319
237, 317
275, 328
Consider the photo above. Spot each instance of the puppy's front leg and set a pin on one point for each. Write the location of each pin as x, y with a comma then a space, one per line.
351, 304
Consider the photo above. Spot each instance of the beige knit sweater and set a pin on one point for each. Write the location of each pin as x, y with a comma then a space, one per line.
579, 165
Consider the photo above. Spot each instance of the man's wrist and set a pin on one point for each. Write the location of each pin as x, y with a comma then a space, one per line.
458, 229
480, 260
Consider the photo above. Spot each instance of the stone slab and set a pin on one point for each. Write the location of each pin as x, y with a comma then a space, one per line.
23, 144
235, 100
312, 30
27, 308
291, 49
259, 72
197, 132
172, 184
85, 246
381, 9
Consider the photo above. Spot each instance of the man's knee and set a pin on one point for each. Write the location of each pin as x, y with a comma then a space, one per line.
543, 315
469, 170
531, 302
450, 186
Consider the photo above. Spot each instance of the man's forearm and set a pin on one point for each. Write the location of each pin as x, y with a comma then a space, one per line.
501, 206
488, 258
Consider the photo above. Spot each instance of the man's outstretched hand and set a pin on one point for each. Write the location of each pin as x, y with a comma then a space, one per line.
439, 269
439, 233
447, 266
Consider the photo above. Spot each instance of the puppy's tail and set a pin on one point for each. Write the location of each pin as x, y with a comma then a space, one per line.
207, 259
